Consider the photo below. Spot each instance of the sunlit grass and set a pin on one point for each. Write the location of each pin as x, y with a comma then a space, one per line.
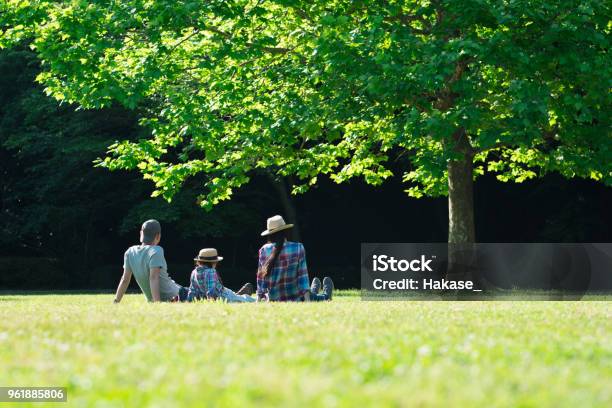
346, 353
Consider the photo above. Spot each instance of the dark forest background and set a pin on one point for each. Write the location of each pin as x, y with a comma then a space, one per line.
65, 224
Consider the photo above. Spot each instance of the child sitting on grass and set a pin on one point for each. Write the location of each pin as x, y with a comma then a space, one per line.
206, 284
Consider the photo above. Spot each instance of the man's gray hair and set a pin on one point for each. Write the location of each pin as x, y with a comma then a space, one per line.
150, 229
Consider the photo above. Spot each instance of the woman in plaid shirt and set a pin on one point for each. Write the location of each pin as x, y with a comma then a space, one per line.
282, 273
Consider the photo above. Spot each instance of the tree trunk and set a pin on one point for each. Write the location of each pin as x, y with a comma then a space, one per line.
288, 206
460, 202
461, 231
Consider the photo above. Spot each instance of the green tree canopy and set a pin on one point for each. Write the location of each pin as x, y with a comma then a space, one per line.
338, 88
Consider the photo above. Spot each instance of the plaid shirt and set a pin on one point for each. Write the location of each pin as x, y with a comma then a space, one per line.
288, 277
205, 283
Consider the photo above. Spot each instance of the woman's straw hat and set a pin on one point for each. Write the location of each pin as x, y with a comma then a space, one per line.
208, 255
275, 224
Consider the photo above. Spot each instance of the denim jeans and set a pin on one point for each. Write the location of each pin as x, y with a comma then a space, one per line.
231, 296
182, 294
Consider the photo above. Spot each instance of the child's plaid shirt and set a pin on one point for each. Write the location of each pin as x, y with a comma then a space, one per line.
288, 278
204, 283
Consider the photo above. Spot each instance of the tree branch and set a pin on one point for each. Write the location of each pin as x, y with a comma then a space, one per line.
274, 50
217, 31
175, 46
301, 13
271, 50
446, 98
547, 137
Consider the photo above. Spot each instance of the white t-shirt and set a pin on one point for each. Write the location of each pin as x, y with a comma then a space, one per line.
140, 259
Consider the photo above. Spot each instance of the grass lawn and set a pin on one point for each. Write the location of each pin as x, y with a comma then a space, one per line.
345, 353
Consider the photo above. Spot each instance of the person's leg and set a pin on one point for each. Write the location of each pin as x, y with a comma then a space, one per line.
327, 294
317, 297
183, 295
315, 286
183, 292
231, 296
246, 289
328, 288
192, 297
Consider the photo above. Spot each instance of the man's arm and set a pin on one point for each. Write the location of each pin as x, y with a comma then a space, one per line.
123, 284
154, 283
